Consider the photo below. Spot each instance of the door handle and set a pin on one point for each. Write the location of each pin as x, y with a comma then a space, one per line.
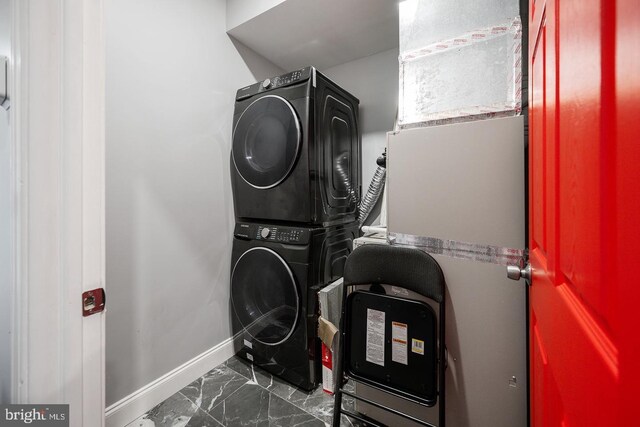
516, 273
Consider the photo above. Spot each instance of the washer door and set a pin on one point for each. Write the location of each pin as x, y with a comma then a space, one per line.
266, 141
264, 296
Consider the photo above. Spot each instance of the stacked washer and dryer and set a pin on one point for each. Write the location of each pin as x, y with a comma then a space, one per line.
296, 179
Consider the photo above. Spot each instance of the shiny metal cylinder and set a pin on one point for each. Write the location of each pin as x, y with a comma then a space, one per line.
373, 194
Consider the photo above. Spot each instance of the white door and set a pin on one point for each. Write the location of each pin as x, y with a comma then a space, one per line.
57, 157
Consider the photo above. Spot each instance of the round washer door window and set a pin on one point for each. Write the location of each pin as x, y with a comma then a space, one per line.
264, 296
266, 141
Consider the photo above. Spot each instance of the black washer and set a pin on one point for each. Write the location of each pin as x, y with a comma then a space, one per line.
266, 141
275, 278
265, 296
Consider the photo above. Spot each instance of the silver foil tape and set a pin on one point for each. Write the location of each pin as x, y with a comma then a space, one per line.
463, 250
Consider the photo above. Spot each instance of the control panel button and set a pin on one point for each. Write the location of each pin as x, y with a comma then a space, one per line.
265, 232
266, 83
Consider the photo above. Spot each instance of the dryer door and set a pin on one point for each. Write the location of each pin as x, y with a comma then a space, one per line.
264, 296
266, 141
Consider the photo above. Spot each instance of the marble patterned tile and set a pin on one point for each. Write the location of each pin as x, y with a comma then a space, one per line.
238, 365
348, 403
317, 403
213, 387
253, 405
349, 422
283, 413
176, 411
250, 371
249, 406
273, 383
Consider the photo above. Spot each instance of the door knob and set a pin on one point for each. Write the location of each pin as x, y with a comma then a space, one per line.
516, 273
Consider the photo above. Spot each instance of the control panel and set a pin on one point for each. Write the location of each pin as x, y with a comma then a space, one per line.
272, 233
275, 82
286, 79
279, 234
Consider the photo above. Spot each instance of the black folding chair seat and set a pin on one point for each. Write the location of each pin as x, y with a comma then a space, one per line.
390, 341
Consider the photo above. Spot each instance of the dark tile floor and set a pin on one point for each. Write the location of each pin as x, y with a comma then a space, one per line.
236, 393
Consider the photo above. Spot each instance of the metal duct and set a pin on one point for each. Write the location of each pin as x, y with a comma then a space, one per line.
375, 189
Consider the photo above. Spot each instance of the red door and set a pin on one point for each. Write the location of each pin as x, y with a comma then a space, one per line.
584, 59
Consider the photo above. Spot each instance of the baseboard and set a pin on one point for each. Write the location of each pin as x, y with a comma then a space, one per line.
140, 401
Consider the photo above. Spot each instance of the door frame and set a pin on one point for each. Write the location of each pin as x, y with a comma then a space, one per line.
57, 206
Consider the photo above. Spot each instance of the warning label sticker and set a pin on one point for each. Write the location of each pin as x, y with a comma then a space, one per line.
399, 342
375, 337
417, 346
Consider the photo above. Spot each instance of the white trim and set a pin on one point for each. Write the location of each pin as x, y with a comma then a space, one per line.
140, 401
18, 89
57, 204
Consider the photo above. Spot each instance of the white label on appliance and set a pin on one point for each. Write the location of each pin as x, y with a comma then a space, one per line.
417, 346
375, 337
248, 344
250, 356
399, 343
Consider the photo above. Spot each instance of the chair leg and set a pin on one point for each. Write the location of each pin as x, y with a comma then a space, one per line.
337, 405
337, 402
442, 369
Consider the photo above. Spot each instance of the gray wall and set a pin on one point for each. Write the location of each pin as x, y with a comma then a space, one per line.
240, 11
5, 270
172, 73
374, 80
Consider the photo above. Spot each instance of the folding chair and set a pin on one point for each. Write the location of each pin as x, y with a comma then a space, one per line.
389, 341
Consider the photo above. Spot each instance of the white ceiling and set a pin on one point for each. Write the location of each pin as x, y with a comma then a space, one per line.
323, 33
